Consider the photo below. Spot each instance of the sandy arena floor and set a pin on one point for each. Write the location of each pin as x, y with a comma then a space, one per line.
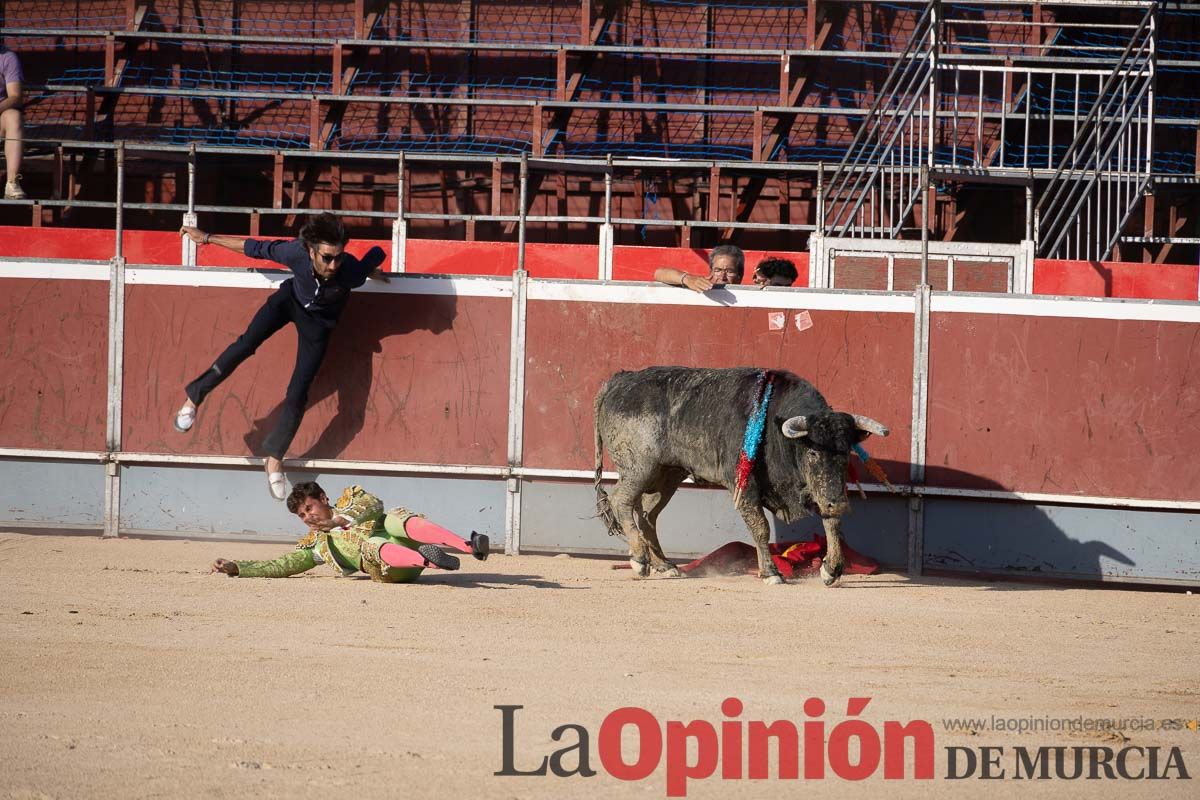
128, 671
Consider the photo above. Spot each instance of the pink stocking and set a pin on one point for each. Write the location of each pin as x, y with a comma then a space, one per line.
426, 532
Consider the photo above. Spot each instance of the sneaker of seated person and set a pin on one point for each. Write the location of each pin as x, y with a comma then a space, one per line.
13, 190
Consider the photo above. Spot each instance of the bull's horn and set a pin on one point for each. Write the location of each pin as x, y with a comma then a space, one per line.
795, 427
870, 426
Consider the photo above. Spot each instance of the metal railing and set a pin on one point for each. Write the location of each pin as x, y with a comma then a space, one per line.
1101, 178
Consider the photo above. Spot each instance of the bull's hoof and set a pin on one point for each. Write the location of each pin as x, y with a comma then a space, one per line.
831, 576
773, 580
641, 569
670, 571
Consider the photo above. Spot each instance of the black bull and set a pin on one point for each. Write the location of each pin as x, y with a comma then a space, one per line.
662, 424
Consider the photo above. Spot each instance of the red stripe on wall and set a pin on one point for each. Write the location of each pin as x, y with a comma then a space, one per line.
435, 256
1116, 279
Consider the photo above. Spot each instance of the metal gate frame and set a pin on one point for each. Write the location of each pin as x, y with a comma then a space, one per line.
824, 250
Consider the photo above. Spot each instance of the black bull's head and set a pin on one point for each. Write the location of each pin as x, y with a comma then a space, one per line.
822, 463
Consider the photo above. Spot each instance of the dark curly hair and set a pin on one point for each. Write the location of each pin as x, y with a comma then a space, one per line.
777, 271
323, 228
301, 492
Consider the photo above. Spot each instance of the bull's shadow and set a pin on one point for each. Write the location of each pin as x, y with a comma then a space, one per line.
974, 537
349, 365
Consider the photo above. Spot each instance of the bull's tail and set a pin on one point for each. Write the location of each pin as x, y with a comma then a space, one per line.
603, 506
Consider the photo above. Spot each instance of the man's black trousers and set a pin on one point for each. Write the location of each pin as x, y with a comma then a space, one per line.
312, 339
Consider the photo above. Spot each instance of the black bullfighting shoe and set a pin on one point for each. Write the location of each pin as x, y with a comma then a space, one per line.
438, 557
481, 545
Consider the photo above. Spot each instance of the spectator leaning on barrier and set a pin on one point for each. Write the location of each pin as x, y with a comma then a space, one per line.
323, 274
775, 272
726, 264
10, 121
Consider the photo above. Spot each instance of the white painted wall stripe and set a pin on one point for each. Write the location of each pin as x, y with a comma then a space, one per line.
741, 297
55, 270
645, 293
1075, 307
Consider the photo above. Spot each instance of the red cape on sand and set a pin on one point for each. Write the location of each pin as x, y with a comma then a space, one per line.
792, 560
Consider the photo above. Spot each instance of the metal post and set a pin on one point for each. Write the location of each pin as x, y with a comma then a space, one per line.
935, 19
399, 226
820, 197
606, 230
925, 217
188, 257
516, 380
1150, 100
521, 212
516, 414
116, 336
920, 398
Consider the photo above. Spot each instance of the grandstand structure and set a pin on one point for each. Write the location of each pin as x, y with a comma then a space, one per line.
1072, 127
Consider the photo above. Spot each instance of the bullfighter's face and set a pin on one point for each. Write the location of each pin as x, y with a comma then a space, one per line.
315, 510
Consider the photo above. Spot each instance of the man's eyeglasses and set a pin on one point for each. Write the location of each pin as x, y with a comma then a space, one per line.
329, 258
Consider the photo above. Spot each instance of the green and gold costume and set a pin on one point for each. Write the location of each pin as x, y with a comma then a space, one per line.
348, 549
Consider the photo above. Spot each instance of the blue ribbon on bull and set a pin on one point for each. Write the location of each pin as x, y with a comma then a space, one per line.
755, 425
872, 467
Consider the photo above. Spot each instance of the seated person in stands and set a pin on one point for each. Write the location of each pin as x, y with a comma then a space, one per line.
355, 534
726, 264
775, 272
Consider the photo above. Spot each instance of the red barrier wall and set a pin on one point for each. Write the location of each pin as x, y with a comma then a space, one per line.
54, 347
1116, 279
1065, 406
408, 377
435, 256
424, 256
861, 362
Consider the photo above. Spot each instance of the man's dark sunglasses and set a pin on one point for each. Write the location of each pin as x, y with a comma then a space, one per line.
329, 258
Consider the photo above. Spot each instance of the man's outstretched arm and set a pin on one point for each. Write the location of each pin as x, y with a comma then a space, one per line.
292, 563
235, 243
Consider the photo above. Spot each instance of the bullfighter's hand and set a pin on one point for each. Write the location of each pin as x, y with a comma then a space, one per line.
193, 233
379, 275
230, 568
697, 283
331, 523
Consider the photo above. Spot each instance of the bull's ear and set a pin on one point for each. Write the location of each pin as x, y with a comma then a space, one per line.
795, 427
869, 426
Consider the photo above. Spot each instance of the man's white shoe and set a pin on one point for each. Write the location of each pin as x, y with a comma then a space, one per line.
278, 485
185, 418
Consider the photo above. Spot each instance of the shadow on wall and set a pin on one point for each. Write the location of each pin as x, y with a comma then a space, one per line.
981, 537
349, 367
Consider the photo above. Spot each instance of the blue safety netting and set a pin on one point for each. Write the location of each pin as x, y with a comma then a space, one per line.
275, 23
1041, 156
526, 87
518, 32
276, 137
448, 143
309, 82
78, 76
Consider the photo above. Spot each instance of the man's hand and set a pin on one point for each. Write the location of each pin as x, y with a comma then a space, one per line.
230, 568
379, 275
331, 523
195, 234
697, 283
